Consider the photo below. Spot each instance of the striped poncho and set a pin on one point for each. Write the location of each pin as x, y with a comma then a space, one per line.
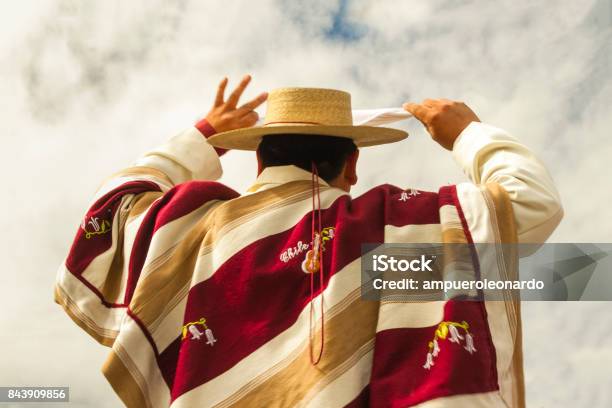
202, 295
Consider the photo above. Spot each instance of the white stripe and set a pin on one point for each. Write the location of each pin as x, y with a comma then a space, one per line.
476, 212
171, 325
137, 347
449, 217
421, 234
88, 303
414, 314
409, 315
481, 400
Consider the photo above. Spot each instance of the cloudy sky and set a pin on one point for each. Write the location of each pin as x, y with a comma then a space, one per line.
88, 86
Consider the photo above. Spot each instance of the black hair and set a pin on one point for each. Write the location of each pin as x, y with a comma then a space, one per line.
329, 153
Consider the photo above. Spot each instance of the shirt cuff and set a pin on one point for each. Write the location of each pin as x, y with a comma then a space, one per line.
207, 130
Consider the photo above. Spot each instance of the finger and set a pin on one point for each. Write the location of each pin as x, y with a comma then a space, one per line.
419, 111
232, 101
220, 92
249, 119
253, 103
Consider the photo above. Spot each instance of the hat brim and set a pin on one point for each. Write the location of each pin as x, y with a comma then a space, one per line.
249, 138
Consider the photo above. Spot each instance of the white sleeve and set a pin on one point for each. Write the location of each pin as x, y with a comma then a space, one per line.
186, 156
489, 154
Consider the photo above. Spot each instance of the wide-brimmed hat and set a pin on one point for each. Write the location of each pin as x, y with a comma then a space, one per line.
310, 111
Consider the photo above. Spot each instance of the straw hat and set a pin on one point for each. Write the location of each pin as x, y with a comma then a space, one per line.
311, 111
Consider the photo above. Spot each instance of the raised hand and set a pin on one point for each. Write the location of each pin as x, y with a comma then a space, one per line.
444, 119
225, 115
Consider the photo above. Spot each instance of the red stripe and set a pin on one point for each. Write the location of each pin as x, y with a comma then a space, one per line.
188, 197
254, 296
447, 195
167, 361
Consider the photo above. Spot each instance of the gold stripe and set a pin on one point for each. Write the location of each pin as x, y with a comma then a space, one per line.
503, 212
112, 284
255, 187
504, 226
339, 371
453, 236
345, 334
83, 321
233, 211
122, 381
504, 229
142, 202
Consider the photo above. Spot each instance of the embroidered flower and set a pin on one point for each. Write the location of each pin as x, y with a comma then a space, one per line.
469, 343
429, 361
209, 337
407, 195
451, 330
436, 348
455, 336
99, 226
196, 334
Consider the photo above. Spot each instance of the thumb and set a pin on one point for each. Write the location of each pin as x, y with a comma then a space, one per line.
409, 106
419, 111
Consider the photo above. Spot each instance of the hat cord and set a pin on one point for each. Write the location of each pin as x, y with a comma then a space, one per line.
317, 263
